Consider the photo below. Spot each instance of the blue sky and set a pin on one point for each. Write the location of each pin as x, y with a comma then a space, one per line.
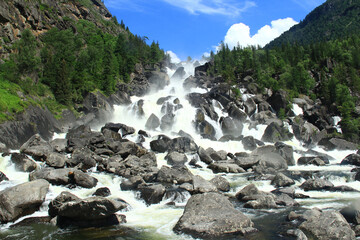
194, 27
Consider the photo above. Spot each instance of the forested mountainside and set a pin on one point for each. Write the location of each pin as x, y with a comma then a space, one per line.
332, 20
327, 72
53, 53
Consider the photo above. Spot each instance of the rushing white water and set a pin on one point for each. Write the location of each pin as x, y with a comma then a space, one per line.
159, 219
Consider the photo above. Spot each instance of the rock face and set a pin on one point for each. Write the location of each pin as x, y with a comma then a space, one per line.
326, 225
22, 199
212, 215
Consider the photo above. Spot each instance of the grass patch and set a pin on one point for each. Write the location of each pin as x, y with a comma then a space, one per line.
10, 102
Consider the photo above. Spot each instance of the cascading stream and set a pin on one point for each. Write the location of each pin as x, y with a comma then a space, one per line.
158, 220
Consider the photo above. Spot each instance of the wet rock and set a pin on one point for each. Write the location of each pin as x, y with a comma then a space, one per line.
152, 193
305, 131
285, 200
276, 133
37, 148
145, 166
317, 161
59, 145
352, 212
158, 80
212, 215
247, 162
200, 185
177, 175
298, 234
221, 183
249, 143
162, 100
236, 113
316, 185
286, 190
183, 145
3, 177
278, 100
56, 160
352, 159
270, 162
132, 183
82, 131
204, 156
167, 121
179, 73
286, 151
83, 158
326, 225
281, 180
22, 199
23, 163
31, 221
153, 122
250, 106
102, 192
225, 167
160, 144
343, 189
337, 143
265, 117
263, 202
217, 155
111, 135
61, 199
250, 192
176, 159
231, 127
123, 129
127, 148
205, 129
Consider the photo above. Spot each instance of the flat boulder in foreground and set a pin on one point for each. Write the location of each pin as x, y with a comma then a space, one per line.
212, 215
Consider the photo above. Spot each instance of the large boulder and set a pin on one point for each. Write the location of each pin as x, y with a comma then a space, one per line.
231, 127
179, 73
22, 200
337, 143
183, 145
36, 147
23, 163
158, 80
176, 159
56, 160
221, 183
352, 159
212, 215
279, 100
316, 184
276, 133
270, 162
281, 180
160, 144
61, 199
151, 193
352, 212
153, 122
176, 175
237, 113
123, 129
326, 225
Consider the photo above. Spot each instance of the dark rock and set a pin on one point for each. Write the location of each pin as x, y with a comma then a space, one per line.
296, 233
176, 159
37, 148
271, 162
83, 158
236, 113
200, 185
343, 189
132, 183
3, 177
326, 225
205, 128
61, 199
152, 193
249, 143
281, 180
221, 183
305, 131
177, 175
263, 202
286, 190
278, 100
276, 133
183, 145
204, 156
218, 155
22, 199
81, 131
352, 159
286, 151
162, 100
161, 144
225, 167
102, 192
265, 117
123, 129
23, 163
250, 106
56, 160
337, 143
250, 192
285, 200
152, 123
31, 221
167, 122
352, 212
316, 185
247, 162
179, 73
212, 215
318, 161
158, 80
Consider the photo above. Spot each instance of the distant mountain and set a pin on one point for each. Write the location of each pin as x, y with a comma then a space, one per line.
335, 19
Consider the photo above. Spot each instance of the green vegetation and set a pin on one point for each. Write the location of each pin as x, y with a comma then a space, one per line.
68, 65
335, 19
328, 70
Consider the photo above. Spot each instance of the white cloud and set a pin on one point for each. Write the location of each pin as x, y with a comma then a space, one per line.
240, 33
220, 7
174, 57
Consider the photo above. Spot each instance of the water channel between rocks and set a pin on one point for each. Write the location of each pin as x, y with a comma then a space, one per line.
157, 221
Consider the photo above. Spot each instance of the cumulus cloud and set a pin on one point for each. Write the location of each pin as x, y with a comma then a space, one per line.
220, 7
174, 57
240, 33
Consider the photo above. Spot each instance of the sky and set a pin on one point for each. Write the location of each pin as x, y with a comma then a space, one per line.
196, 27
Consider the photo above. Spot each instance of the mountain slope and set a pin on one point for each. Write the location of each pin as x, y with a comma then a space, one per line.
335, 19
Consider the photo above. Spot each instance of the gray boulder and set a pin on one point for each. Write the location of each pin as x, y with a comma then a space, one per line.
152, 193
132, 183
352, 212
225, 167
352, 159
271, 162
22, 199
36, 147
236, 113
281, 180
59, 145
212, 215
56, 160
276, 133
153, 122
61, 199
23, 163
183, 145
176, 159
326, 225
202, 186
316, 184
221, 183
160, 144
176, 175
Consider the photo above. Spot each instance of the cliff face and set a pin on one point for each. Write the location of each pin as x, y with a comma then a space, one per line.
41, 15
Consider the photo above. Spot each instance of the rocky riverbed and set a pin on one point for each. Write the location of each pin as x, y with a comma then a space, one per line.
191, 160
